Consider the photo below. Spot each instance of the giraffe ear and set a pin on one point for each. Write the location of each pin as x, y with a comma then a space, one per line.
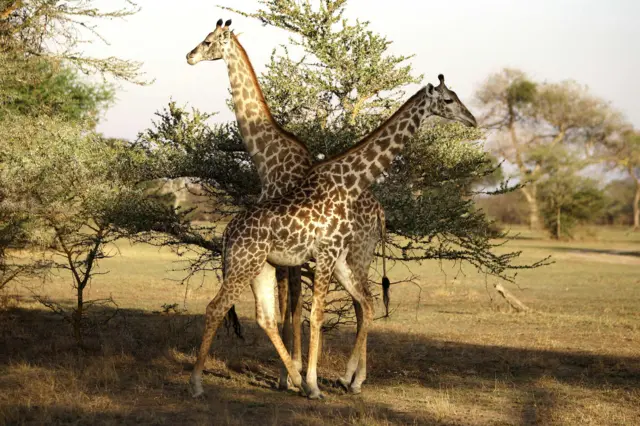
226, 24
219, 23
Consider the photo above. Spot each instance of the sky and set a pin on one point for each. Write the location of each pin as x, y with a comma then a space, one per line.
595, 43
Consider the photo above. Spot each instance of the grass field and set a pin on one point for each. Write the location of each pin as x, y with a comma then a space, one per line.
448, 355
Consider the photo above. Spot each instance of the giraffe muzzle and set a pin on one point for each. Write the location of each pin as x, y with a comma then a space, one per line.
471, 121
192, 58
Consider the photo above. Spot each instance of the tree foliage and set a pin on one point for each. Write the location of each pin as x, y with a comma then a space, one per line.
624, 154
42, 88
530, 121
567, 198
341, 86
63, 188
75, 195
55, 30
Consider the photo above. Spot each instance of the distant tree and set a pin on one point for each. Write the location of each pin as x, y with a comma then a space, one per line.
568, 199
509, 208
624, 154
619, 196
532, 119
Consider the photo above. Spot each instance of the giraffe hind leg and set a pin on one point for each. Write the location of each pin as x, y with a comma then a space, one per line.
289, 295
214, 315
356, 370
284, 301
295, 296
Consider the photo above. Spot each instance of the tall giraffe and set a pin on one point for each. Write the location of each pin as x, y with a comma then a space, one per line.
282, 162
313, 220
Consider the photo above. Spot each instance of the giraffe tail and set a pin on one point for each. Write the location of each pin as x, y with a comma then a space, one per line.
386, 284
231, 318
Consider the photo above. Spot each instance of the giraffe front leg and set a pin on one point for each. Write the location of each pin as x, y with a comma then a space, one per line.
263, 290
324, 268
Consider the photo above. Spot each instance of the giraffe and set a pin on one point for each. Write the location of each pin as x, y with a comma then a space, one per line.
313, 220
282, 162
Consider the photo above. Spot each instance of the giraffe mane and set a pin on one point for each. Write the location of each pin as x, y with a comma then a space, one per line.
261, 100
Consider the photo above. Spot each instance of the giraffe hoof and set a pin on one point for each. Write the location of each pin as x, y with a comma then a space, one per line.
344, 384
283, 384
316, 395
305, 389
195, 387
197, 392
288, 386
355, 390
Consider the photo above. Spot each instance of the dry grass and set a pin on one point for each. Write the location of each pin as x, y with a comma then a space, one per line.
453, 358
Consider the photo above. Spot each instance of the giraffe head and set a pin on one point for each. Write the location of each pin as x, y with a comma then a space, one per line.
445, 103
215, 45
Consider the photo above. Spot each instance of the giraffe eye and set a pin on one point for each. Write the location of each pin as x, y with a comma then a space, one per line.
207, 43
448, 101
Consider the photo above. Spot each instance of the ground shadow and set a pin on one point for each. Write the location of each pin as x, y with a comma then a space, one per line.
138, 344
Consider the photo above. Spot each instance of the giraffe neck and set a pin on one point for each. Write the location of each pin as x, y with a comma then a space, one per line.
357, 169
281, 160
250, 107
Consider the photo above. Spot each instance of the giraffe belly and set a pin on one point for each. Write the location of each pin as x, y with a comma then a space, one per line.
288, 257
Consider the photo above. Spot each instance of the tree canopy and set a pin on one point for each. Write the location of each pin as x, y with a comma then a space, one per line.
341, 86
531, 122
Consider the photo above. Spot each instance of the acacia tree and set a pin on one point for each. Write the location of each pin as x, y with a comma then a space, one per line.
566, 198
532, 119
78, 196
54, 30
343, 85
64, 188
339, 89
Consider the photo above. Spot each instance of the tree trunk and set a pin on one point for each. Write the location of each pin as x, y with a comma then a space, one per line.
636, 207
77, 318
558, 226
530, 194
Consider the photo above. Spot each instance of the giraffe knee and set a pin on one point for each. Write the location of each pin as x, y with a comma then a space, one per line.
368, 310
266, 323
